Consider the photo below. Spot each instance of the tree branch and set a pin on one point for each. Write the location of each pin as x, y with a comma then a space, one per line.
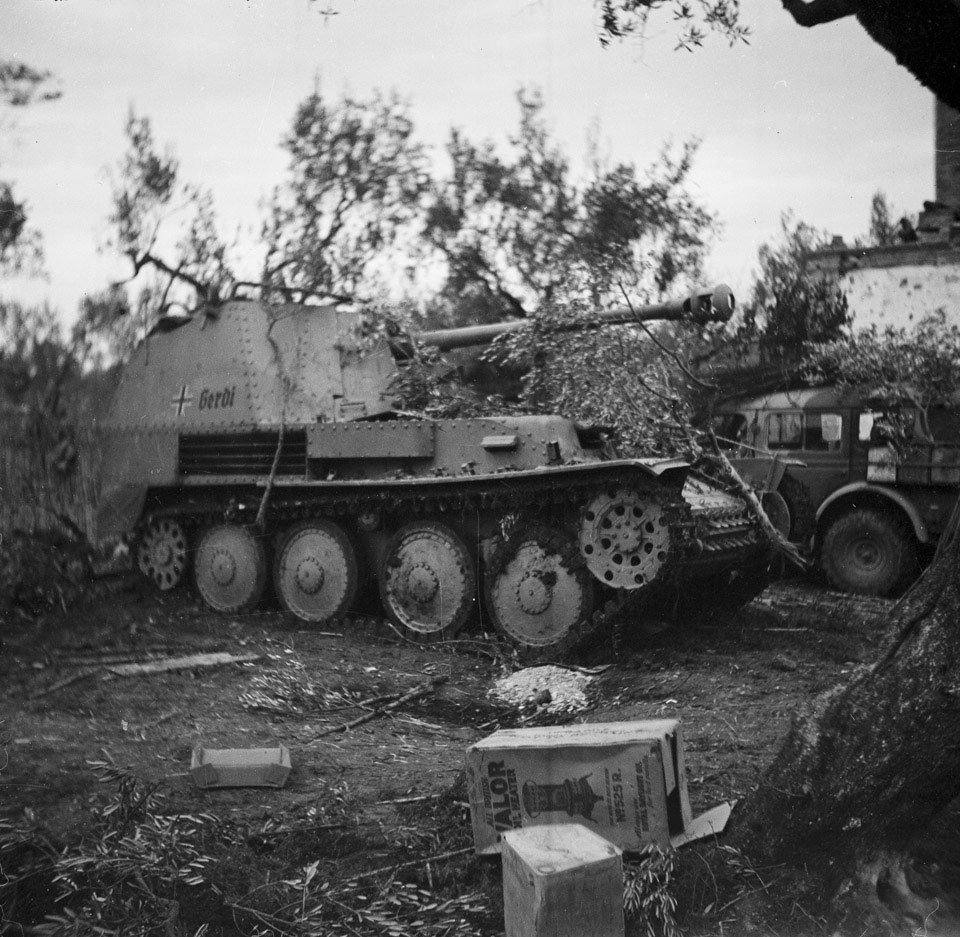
420, 690
817, 12
207, 292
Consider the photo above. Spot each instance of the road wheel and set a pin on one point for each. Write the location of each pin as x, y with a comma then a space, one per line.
315, 571
535, 594
869, 552
428, 581
230, 567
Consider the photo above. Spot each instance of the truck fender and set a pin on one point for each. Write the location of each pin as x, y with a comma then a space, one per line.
919, 527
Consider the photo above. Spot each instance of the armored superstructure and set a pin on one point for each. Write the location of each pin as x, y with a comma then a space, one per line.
253, 440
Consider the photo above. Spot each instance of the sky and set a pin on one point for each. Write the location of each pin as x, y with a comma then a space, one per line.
808, 120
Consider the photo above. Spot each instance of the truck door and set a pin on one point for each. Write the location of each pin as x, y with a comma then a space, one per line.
820, 438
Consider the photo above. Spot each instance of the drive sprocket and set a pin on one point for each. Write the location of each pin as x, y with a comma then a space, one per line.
625, 538
162, 553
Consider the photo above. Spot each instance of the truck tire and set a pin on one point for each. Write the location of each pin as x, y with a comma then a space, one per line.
868, 551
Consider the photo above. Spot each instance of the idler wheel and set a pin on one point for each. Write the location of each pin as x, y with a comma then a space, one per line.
162, 553
625, 539
428, 581
537, 593
315, 571
230, 567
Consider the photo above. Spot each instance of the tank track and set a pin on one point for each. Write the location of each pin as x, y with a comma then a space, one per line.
698, 528
701, 532
289, 504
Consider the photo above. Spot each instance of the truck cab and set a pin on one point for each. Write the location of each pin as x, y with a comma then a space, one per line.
867, 506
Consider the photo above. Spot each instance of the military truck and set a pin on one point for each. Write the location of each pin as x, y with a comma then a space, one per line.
868, 510
254, 441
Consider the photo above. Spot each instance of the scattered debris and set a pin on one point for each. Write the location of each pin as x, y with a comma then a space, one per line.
288, 690
801, 600
373, 873
422, 689
65, 682
549, 687
191, 662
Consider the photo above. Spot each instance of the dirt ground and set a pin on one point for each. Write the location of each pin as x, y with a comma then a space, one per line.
387, 794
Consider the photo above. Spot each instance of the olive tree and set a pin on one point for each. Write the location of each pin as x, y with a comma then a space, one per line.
351, 198
518, 229
788, 308
21, 250
165, 225
910, 374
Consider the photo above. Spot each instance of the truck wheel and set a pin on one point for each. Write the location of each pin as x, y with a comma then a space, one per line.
869, 552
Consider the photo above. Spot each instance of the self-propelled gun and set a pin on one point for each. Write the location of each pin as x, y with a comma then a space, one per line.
255, 441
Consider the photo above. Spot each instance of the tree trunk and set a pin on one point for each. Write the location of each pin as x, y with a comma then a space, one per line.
874, 761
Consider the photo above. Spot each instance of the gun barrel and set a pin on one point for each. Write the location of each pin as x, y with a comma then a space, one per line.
714, 305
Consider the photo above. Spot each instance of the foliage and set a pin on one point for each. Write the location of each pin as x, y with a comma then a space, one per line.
788, 307
513, 230
619, 377
110, 325
288, 690
36, 366
165, 226
41, 573
33, 351
905, 371
20, 246
623, 18
355, 180
142, 872
21, 250
882, 228
21, 84
647, 891
123, 876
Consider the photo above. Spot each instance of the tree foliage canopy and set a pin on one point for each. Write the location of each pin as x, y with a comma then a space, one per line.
21, 248
355, 180
904, 371
695, 18
519, 230
787, 307
164, 224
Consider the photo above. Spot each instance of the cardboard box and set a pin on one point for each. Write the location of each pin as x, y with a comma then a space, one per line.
561, 880
240, 767
624, 780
